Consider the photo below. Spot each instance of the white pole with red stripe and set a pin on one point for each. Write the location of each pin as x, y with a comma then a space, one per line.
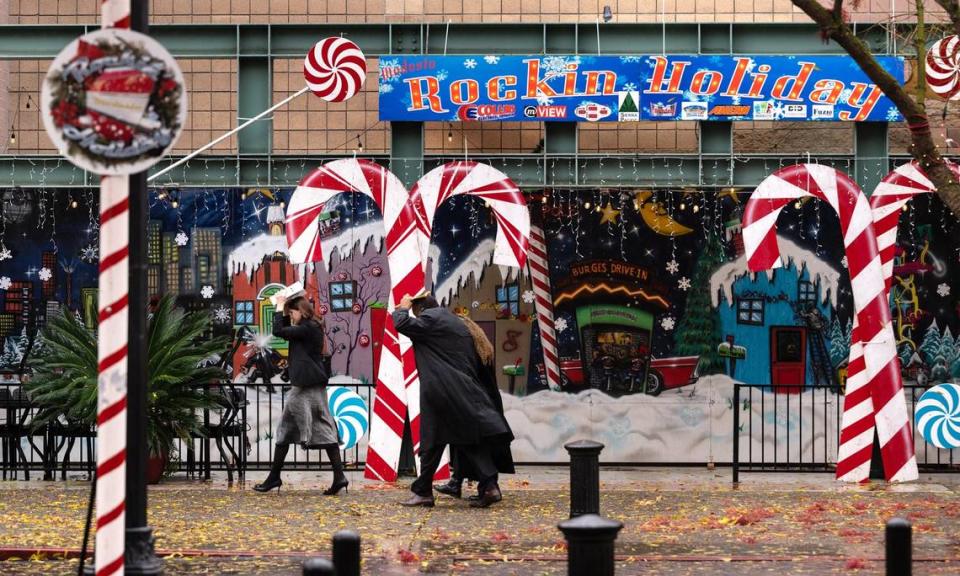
543, 301
874, 389
112, 335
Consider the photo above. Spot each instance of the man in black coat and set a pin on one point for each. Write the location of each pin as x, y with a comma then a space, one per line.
454, 408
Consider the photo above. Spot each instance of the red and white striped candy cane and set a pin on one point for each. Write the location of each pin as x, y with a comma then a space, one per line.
112, 335
509, 208
876, 377
540, 276
397, 368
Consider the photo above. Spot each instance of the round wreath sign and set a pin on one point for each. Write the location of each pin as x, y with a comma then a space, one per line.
114, 102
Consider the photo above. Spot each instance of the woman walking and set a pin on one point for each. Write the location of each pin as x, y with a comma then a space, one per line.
306, 415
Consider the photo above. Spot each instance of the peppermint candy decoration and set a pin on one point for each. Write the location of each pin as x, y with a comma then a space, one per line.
943, 67
335, 69
938, 416
350, 412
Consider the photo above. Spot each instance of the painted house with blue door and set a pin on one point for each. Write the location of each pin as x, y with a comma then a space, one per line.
781, 317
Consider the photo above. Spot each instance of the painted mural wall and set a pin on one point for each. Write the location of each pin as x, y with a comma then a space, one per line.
655, 311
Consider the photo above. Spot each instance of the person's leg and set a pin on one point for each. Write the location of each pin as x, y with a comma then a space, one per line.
273, 478
486, 469
429, 462
339, 478
453, 487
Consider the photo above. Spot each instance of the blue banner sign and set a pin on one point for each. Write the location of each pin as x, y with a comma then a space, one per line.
632, 88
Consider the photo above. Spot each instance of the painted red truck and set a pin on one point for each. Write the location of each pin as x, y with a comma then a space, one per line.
664, 373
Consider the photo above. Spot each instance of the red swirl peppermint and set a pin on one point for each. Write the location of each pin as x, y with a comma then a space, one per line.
335, 69
943, 67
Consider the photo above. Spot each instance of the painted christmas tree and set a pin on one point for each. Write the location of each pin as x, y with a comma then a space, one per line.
948, 347
839, 343
698, 332
10, 357
930, 347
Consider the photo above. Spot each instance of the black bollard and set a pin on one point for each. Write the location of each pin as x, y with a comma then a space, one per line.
899, 547
590, 540
346, 553
584, 477
318, 567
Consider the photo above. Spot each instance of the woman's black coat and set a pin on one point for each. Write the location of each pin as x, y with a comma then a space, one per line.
305, 358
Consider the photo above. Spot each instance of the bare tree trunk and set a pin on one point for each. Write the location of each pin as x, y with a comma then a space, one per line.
923, 148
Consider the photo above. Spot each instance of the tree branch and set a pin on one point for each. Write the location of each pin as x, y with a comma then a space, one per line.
923, 148
952, 8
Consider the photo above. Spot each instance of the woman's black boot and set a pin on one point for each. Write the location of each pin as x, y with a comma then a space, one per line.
273, 478
340, 481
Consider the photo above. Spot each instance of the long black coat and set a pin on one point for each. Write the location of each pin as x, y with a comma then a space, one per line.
454, 408
499, 447
305, 356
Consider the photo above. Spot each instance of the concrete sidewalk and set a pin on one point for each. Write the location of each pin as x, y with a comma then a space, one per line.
677, 521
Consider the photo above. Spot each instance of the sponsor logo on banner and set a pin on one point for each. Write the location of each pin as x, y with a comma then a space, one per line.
628, 108
725, 110
794, 110
823, 111
486, 112
764, 110
592, 112
663, 110
545, 111
693, 111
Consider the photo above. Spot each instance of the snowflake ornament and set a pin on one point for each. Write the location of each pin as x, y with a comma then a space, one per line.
475, 304
207, 292
943, 290
560, 325
528, 296
491, 59
470, 63
90, 253
5, 283
45, 274
5, 254
221, 315
668, 323
181, 238
844, 262
673, 266
684, 283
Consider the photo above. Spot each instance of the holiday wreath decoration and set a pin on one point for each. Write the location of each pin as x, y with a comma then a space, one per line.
115, 102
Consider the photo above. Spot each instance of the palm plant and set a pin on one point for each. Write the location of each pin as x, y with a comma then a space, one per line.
64, 380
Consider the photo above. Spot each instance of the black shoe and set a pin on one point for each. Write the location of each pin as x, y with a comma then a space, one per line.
336, 487
490, 496
451, 488
268, 485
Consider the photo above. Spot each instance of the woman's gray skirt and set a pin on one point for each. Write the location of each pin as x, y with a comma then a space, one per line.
306, 418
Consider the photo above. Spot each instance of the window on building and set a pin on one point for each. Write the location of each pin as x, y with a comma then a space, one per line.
203, 269
807, 293
508, 297
244, 312
342, 295
750, 311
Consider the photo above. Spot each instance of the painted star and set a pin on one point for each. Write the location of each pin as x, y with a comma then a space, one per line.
609, 214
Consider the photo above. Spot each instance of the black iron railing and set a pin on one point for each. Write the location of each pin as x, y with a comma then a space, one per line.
237, 435
800, 431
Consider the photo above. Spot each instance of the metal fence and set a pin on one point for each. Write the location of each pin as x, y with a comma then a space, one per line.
238, 435
800, 432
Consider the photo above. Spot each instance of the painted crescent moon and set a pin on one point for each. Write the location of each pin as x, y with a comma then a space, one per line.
657, 219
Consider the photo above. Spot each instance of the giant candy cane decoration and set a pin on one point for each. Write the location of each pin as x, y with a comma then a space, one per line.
540, 276
505, 200
112, 339
398, 371
874, 376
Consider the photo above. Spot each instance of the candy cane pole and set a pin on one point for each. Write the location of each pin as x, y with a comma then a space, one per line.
875, 387
540, 276
112, 346
508, 206
404, 254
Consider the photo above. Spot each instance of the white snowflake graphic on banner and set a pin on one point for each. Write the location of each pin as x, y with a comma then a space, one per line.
893, 115
90, 253
5, 254
528, 296
673, 266
470, 63
221, 315
491, 59
5, 283
385, 88
181, 238
560, 325
45, 274
628, 59
207, 292
544, 100
943, 290
684, 283
668, 323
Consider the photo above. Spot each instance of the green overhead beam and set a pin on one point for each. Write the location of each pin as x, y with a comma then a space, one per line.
293, 40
